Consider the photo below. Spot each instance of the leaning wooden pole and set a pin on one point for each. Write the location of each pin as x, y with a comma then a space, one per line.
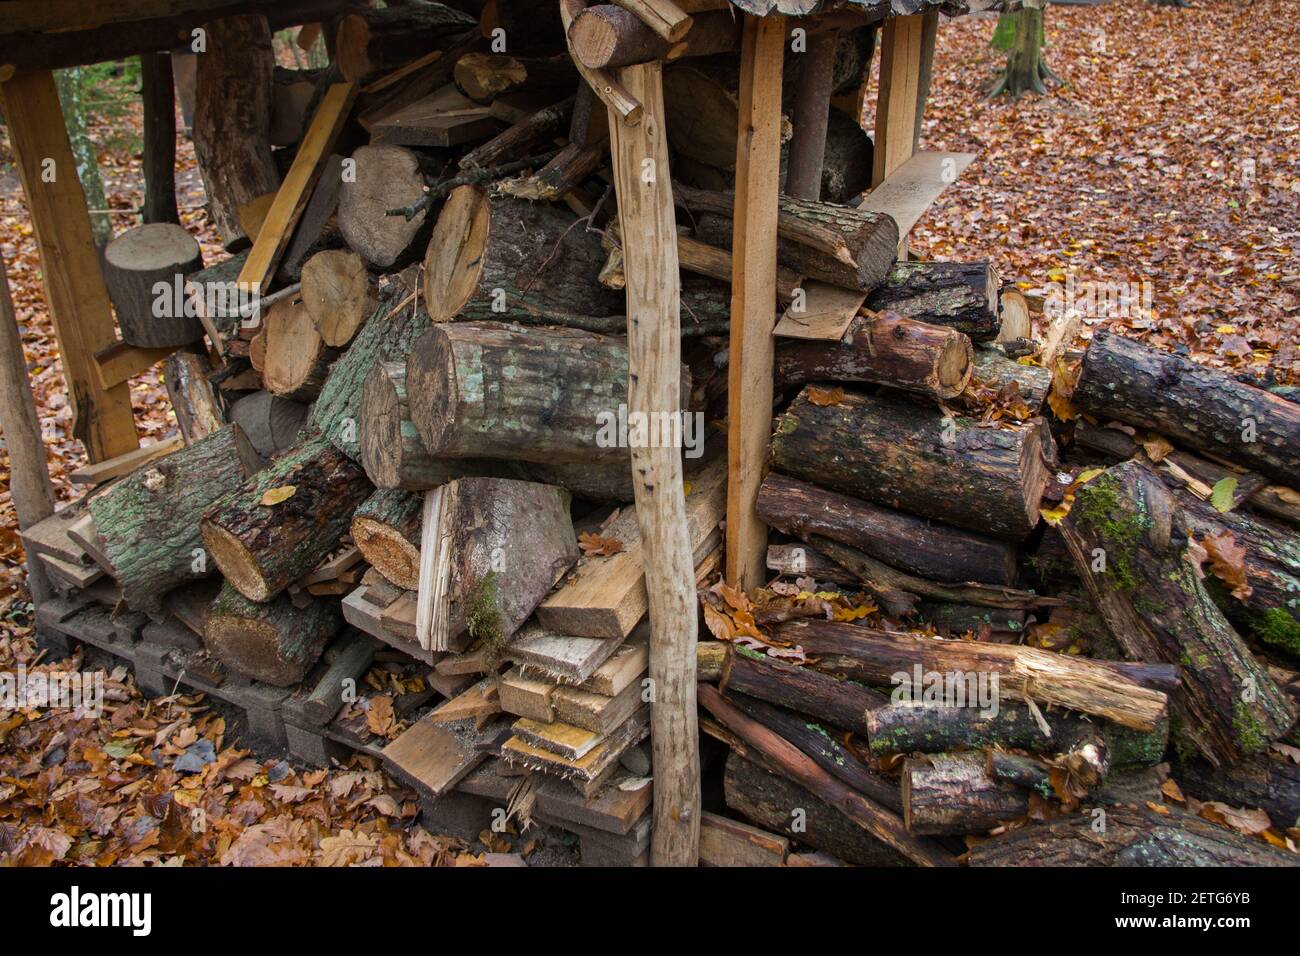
645, 203
753, 293
29, 479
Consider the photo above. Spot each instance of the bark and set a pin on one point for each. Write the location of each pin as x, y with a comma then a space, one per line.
138, 261
386, 178
339, 295
951, 619
350, 663
149, 521
263, 548
960, 295
1158, 610
275, 643
566, 171
1269, 781
370, 40
386, 529
1127, 836
915, 545
481, 389
1190, 404
605, 36
994, 370
271, 423
807, 150
885, 349
918, 460
1025, 70
516, 140
159, 153
954, 793
842, 703
497, 258
198, 413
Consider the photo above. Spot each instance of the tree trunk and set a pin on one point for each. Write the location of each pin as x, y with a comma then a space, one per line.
954, 794
886, 349
198, 413
1120, 534
339, 294
960, 295
1269, 781
386, 178
159, 138
386, 528
271, 423
69, 83
370, 40
495, 257
232, 119
807, 150
263, 548
1127, 836
1025, 71
918, 460
149, 521
276, 642
1191, 404
840, 702
913, 544
134, 263
481, 389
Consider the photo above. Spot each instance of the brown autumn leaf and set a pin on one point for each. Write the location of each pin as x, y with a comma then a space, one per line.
1171, 790
380, 718
825, 396
1228, 562
598, 546
273, 496
1248, 821
719, 624
1157, 447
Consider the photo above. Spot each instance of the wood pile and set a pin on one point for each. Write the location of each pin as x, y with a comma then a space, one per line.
408, 437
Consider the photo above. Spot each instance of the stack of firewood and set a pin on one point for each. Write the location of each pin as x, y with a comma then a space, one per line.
409, 437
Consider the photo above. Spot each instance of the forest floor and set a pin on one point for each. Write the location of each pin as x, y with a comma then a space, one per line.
1168, 161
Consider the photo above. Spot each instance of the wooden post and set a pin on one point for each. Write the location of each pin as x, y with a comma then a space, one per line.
753, 293
159, 97
897, 113
29, 480
645, 203
925, 72
74, 286
803, 178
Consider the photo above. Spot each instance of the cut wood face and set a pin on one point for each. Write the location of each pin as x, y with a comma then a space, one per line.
383, 428
954, 366
454, 261
293, 346
395, 557
336, 291
152, 246
351, 47
236, 562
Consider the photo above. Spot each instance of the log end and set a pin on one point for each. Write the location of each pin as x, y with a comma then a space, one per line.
454, 260
247, 645
381, 429
388, 552
235, 561
955, 365
433, 389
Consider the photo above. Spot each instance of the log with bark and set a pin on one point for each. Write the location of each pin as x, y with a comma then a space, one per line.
276, 642
921, 547
918, 460
960, 295
1268, 781
515, 141
955, 793
993, 370
498, 258
606, 36
271, 423
484, 389
383, 178
277, 527
198, 412
884, 349
370, 40
142, 267
386, 529
149, 521
842, 703
1129, 547
339, 294
1202, 408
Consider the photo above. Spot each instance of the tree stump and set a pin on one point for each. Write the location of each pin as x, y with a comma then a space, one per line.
135, 263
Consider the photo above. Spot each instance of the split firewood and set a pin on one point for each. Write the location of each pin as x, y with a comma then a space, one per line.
198, 412
149, 521
385, 178
917, 459
134, 264
276, 642
338, 293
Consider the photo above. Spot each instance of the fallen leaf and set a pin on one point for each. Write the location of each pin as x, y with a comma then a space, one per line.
595, 545
825, 396
274, 496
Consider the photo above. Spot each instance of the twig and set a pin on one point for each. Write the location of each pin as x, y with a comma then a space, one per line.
465, 179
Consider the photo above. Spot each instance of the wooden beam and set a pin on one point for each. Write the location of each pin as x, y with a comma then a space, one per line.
909, 191
896, 103
753, 293
74, 285
929, 33
103, 471
119, 362
645, 203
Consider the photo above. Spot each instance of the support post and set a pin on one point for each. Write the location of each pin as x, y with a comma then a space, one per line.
29, 479
158, 93
645, 203
753, 293
897, 112
803, 178
74, 285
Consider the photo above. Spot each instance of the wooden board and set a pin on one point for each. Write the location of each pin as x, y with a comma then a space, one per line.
291, 199
72, 574
444, 118
727, 842
50, 536
526, 696
119, 362
826, 314
626, 664
901, 48
615, 809
111, 468
558, 657
557, 737
597, 713
910, 190
431, 757
588, 772
480, 700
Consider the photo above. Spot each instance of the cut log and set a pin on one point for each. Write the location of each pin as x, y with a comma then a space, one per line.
371, 40
1132, 836
384, 178
1269, 781
198, 413
954, 793
339, 294
276, 642
950, 619
262, 548
918, 460
141, 268
1150, 595
607, 483
993, 370
149, 521
485, 76
491, 548
841, 245
885, 349
960, 295
352, 656
500, 258
386, 527
565, 172
605, 36
1200, 407
232, 119
885, 658
484, 389
921, 547
271, 423
513, 142
840, 702
807, 151
296, 360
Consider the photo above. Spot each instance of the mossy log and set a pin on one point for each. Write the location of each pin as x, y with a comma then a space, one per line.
149, 521
921, 547
1125, 535
276, 642
386, 529
919, 460
960, 295
955, 794
262, 548
1202, 408
1127, 836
